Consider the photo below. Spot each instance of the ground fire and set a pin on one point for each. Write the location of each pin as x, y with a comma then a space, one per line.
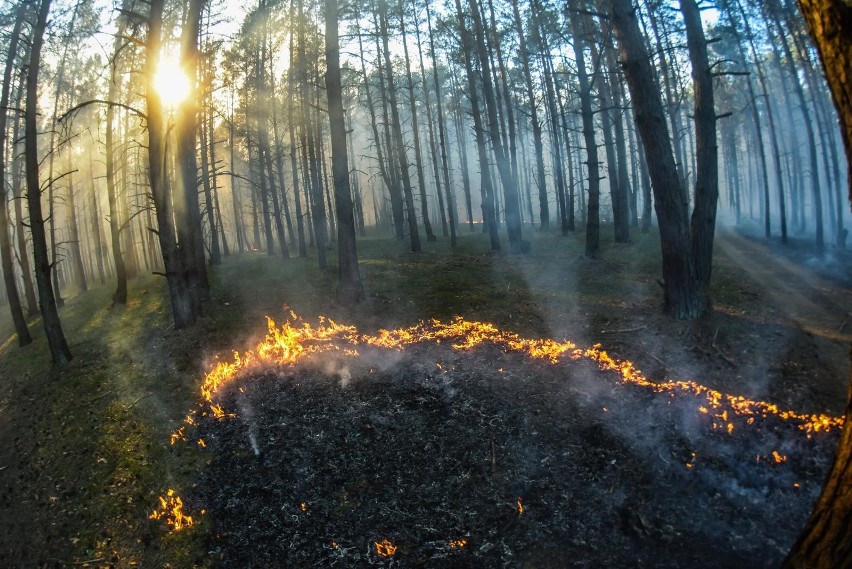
388, 433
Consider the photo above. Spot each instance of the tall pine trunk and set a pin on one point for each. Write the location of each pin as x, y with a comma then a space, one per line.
59, 351
15, 307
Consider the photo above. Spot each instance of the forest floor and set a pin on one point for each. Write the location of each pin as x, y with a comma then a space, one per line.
84, 450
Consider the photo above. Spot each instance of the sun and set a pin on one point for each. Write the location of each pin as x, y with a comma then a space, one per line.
171, 82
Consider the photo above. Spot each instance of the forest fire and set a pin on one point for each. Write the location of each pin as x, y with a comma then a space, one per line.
296, 340
476, 418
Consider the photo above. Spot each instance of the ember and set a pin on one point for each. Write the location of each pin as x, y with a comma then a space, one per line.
171, 510
385, 548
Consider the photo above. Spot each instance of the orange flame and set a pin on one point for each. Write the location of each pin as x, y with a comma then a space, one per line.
520, 507
295, 340
385, 548
458, 543
171, 510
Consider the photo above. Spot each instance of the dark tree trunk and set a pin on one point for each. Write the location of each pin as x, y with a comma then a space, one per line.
415, 133
541, 182
826, 542
703, 223
592, 161
95, 216
300, 221
184, 300
396, 129
488, 214
209, 203
74, 234
187, 207
11, 288
510, 189
20, 233
59, 350
679, 299
349, 288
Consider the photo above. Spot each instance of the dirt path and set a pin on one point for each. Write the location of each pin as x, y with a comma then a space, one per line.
800, 295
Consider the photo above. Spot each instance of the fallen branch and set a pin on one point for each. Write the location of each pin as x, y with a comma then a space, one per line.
98, 398
138, 400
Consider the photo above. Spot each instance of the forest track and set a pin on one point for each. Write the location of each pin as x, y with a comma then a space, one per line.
801, 295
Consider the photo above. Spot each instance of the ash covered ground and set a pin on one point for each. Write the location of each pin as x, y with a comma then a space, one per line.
437, 451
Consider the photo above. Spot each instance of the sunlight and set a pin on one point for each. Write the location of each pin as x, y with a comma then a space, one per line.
171, 82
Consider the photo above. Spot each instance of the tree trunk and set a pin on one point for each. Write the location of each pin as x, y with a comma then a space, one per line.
703, 223
826, 541
120, 295
488, 214
59, 351
415, 133
184, 300
679, 300
396, 128
510, 190
15, 307
592, 161
187, 208
349, 288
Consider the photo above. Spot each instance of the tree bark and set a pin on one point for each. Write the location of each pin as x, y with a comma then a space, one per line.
396, 128
349, 288
703, 223
826, 541
679, 300
59, 351
15, 307
184, 300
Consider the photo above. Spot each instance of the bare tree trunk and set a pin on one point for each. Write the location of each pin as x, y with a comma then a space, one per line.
11, 288
826, 542
184, 298
592, 161
510, 190
415, 131
488, 216
396, 127
120, 295
59, 351
349, 288
74, 238
703, 223
670, 200
187, 208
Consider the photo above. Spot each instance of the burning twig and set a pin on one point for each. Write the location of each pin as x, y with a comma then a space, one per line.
385, 548
171, 509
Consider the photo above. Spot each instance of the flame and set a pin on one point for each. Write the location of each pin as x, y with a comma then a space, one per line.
303, 507
385, 548
171, 510
458, 543
692, 460
294, 340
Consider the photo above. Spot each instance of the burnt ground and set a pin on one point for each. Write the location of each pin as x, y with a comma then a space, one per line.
432, 445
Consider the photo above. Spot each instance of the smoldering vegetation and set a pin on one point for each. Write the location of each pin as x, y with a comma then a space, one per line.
485, 458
